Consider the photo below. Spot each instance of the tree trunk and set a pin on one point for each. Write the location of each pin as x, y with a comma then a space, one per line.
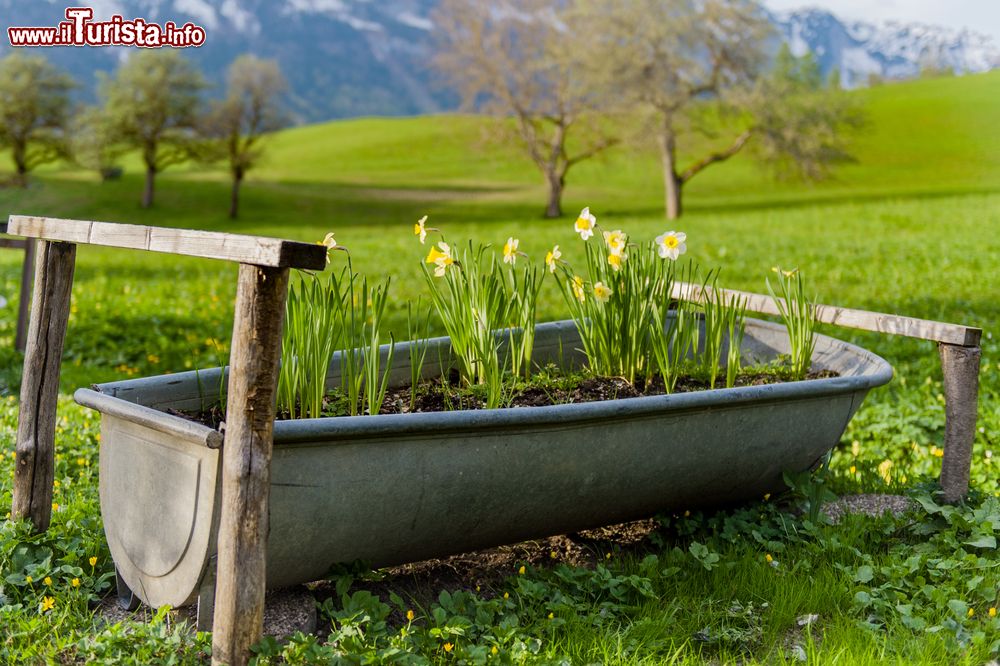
672, 182
556, 183
147, 192
234, 195
20, 155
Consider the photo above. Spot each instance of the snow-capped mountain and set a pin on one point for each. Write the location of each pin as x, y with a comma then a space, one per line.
892, 50
370, 57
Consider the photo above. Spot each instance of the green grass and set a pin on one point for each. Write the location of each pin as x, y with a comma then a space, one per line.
912, 228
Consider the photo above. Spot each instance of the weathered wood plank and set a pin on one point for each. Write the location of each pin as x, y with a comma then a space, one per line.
12, 244
257, 250
27, 278
246, 463
960, 366
953, 334
36, 422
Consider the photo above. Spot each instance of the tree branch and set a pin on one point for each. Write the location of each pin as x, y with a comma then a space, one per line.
720, 156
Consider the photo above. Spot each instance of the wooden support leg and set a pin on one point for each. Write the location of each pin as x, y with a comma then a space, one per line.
246, 462
27, 274
36, 422
960, 366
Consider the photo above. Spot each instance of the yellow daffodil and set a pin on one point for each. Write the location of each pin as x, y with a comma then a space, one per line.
883, 469
510, 251
420, 229
552, 257
410, 615
616, 241
615, 260
578, 288
441, 258
93, 561
75, 582
585, 224
671, 244
778, 269
48, 603
448, 647
602, 292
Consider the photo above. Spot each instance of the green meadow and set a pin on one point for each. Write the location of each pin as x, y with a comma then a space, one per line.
913, 227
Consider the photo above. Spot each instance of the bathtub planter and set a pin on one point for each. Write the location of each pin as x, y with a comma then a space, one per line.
401, 488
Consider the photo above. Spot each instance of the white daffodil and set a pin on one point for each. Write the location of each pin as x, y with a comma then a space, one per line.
671, 244
510, 251
616, 241
331, 244
585, 224
616, 260
442, 258
552, 258
420, 229
602, 292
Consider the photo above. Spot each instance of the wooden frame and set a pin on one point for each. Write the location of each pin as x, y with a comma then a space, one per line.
260, 305
27, 275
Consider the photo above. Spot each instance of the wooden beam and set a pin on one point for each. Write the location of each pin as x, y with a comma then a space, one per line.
960, 367
257, 250
246, 463
27, 278
952, 334
36, 422
12, 244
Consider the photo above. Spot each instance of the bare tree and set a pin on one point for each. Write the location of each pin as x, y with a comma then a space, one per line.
698, 68
239, 123
153, 104
519, 59
34, 110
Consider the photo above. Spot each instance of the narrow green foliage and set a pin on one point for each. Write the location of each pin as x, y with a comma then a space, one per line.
417, 332
364, 378
799, 316
524, 290
313, 332
724, 321
675, 342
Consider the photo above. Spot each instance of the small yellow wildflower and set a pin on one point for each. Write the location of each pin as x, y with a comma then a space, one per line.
552, 257
48, 603
419, 229
607, 556
972, 611
506, 595
47, 580
602, 292
585, 224
441, 258
855, 448
448, 647
687, 514
578, 288
616, 241
494, 650
936, 452
884, 468
553, 554
768, 558
55, 506
671, 244
81, 461
75, 582
552, 616
510, 251
521, 570
409, 613
992, 612
28, 579
767, 496
853, 469
93, 561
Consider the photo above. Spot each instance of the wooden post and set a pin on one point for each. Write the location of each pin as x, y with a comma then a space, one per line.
960, 367
246, 462
27, 275
36, 422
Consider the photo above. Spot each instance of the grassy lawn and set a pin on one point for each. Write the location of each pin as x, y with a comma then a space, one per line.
912, 228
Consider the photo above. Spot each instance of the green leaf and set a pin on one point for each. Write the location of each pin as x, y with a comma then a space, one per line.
865, 574
983, 541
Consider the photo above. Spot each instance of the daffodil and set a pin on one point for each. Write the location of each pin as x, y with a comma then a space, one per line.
510, 251
787, 274
671, 244
48, 603
552, 258
420, 229
602, 292
884, 470
616, 260
578, 288
585, 224
441, 258
616, 241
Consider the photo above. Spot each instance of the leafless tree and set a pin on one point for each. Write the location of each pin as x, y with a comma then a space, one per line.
519, 60
238, 124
